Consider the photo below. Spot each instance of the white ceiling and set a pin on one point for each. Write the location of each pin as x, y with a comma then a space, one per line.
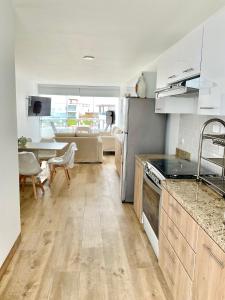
123, 35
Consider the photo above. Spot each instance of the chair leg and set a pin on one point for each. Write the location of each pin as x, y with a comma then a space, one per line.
42, 188
67, 177
52, 171
21, 180
34, 187
40, 185
23, 183
68, 173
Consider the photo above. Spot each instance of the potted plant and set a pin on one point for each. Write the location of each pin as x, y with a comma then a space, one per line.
22, 141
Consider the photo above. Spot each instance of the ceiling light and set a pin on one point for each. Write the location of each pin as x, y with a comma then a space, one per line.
88, 57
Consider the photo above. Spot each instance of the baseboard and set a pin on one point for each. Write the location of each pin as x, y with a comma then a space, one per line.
10, 256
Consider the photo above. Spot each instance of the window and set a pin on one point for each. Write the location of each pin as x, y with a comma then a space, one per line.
67, 112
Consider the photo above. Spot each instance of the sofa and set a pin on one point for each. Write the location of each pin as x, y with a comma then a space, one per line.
108, 139
108, 142
89, 146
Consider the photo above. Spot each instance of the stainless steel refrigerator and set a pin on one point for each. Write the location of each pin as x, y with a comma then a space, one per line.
143, 132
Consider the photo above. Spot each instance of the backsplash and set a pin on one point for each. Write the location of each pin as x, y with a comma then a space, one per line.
184, 132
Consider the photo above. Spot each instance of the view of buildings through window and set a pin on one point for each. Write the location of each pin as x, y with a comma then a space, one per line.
70, 111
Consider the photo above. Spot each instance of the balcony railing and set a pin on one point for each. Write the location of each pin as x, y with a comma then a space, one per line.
69, 123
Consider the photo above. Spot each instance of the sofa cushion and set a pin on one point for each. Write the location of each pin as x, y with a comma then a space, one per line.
86, 134
116, 130
105, 133
108, 143
66, 134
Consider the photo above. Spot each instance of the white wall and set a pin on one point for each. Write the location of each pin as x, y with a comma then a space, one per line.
128, 88
172, 133
9, 197
184, 132
27, 126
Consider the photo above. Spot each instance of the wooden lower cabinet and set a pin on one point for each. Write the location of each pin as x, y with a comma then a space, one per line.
192, 263
175, 275
138, 188
183, 250
184, 222
209, 282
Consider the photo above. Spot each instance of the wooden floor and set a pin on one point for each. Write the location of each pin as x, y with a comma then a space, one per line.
80, 242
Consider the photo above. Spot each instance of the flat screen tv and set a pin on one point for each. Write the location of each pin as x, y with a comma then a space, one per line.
39, 106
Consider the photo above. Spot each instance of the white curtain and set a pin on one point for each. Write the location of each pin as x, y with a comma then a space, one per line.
74, 90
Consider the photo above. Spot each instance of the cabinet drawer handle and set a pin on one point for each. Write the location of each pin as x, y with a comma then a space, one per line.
219, 262
169, 276
174, 208
207, 107
172, 76
173, 233
158, 109
170, 255
188, 70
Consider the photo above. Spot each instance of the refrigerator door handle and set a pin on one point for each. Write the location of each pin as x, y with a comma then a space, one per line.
125, 114
123, 175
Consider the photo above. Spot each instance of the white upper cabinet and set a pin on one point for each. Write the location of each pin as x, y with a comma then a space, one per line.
182, 60
212, 83
188, 55
165, 68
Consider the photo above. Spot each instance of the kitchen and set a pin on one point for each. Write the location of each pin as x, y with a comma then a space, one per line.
184, 218
86, 239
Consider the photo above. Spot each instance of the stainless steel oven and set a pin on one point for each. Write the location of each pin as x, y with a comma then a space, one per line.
151, 205
154, 172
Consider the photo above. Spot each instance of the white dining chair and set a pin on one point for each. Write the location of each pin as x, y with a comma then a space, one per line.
54, 129
65, 161
29, 167
45, 155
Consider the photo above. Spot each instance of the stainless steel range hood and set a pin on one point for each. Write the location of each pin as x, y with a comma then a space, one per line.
184, 88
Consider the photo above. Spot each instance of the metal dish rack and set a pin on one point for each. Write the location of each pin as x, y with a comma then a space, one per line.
216, 182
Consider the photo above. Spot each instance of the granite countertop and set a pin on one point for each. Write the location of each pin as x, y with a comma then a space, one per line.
143, 157
203, 204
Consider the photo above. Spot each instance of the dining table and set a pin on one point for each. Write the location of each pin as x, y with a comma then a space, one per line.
35, 147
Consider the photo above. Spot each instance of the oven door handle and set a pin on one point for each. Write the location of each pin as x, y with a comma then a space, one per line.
152, 185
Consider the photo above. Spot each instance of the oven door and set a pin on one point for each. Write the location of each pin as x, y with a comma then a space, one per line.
151, 210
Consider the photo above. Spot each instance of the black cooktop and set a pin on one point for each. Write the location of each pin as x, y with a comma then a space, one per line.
178, 168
